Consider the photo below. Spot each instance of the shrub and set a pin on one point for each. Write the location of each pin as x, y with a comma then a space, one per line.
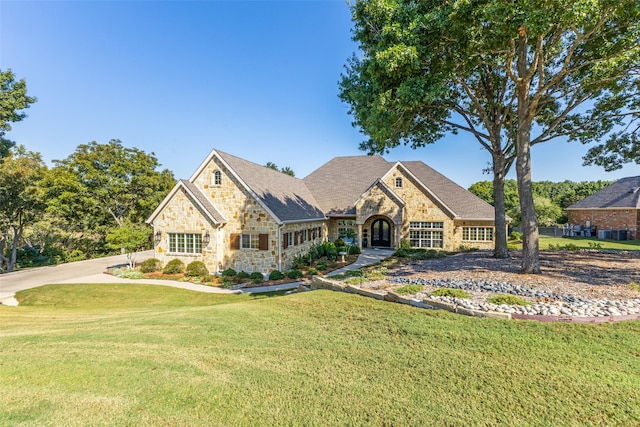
377, 274
294, 274
209, 278
404, 244
125, 273
354, 250
196, 269
226, 284
229, 272
175, 266
322, 265
276, 275
299, 261
332, 254
256, 277
356, 280
150, 265
409, 289
507, 299
402, 253
339, 243
595, 245
448, 292
515, 235
312, 272
243, 275
634, 286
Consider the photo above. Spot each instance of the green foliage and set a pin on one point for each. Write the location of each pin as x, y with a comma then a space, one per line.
515, 235
507, 300
103, 186
567, 247
276, 275
175, 266
595, 245
256, 277
448, 292
285, 170
356, 281
405, 244
409, 289
209, 278
229, 272
300, 261
243, 275
13, 100
634, 286
127, 273
419, 253
129, 237
21, 200
294, 274
151, 265
196, 269
354, 250
312, 272
321, 266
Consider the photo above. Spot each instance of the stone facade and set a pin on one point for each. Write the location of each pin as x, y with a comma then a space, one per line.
608, 219
251, 221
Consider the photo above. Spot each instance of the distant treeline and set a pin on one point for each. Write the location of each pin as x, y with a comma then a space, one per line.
550, 198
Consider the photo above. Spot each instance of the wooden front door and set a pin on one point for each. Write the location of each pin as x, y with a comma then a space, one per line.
381, 233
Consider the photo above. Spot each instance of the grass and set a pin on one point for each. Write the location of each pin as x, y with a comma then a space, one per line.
583, 243
103, 355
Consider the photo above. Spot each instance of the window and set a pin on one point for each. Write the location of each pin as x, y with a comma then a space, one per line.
426, 234
217, 178
477, 234
250, 241
185, 243
346, 227
398, 182
289, 239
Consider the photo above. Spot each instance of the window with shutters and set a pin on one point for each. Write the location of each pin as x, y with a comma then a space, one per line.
250, 241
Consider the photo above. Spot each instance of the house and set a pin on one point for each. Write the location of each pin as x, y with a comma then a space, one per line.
613, 212
233, 213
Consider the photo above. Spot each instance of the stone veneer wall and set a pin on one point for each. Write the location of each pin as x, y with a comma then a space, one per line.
608, 219
301, 249
181, 216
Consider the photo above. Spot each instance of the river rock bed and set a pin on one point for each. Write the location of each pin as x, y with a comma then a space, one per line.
543, 302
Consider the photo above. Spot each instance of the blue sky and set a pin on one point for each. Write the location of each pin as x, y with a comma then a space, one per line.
257, 79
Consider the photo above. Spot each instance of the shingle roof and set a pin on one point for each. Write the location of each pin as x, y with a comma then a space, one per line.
624, 193
338, 183
464, 204
285, 196
204, 202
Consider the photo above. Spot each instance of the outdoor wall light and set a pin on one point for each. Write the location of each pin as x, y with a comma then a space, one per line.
157, 237
206, 238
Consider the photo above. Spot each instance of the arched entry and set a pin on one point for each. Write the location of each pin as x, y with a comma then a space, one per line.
381, 233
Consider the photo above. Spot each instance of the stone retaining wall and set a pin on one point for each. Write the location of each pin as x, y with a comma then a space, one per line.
333, 285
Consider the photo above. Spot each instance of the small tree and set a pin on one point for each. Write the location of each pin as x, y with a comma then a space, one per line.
129, 237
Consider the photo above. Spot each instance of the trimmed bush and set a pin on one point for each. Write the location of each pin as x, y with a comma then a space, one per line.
151, 265
448, 292
276, 275
256, 277
322, 265
312, 272
229, 272
409, 289
196, 269
175, 266
507, 299
243, 275
294, 274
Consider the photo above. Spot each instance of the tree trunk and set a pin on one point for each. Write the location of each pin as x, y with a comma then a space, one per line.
499, 171
17, 233
530, 253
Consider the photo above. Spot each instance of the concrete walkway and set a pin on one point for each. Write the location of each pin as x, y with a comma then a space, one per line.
92, 271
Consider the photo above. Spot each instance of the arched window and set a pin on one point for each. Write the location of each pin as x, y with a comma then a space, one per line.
398, 182
217, 178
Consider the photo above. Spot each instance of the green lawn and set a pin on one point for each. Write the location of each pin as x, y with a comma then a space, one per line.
584, 242
136, 355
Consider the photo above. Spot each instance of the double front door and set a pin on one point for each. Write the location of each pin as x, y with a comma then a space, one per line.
381, 233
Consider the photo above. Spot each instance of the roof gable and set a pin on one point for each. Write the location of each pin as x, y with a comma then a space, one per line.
340, 182
196, 196
286, 198
457, 200
622, 194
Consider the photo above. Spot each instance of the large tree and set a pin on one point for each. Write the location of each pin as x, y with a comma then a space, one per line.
13, 100
21, 202
100, 186
551, 68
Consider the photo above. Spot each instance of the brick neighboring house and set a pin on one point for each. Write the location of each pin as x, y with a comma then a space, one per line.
615, 207
233, 213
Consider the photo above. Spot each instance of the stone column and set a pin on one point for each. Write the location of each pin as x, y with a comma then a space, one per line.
360, 235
